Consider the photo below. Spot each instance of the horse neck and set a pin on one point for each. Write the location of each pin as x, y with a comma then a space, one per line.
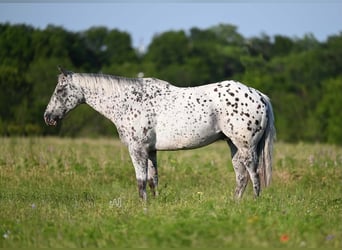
104, 93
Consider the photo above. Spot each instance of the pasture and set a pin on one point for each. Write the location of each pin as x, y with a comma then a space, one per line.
82, 193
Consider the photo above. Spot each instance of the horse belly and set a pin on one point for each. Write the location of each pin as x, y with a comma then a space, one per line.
175, 134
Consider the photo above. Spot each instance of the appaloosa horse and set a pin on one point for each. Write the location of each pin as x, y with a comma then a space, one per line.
151, 115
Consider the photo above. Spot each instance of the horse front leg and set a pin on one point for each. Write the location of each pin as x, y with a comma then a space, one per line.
152, 172
139, 159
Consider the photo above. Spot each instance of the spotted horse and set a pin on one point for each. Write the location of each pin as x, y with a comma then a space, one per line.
152, 115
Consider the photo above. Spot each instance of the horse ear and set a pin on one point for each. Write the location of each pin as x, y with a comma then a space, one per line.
63, 71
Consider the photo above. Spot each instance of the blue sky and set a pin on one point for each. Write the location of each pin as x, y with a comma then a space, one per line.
142, 20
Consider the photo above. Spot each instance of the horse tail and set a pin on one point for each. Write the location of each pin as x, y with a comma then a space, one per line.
265, 146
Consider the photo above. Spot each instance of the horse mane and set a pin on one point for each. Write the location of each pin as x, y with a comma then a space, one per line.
106, 82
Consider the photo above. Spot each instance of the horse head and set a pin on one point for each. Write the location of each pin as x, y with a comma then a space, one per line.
65, 98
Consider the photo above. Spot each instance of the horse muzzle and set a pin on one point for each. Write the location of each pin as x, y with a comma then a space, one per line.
50, 119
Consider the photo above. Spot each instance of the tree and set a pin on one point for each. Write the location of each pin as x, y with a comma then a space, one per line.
260, 46
14, 88
168, 48
282, 46
228, 34
328, 111
16, 45
95, 41
13, 100
54, 41
118, 47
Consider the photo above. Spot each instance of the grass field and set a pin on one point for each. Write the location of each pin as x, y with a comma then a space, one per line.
82, 193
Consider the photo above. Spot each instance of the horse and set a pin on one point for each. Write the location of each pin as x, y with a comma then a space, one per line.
153, 115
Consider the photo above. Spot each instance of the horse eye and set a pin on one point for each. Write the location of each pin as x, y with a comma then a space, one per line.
60, 89
61, 92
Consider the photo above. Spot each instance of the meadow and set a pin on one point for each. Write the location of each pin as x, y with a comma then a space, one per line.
82, 193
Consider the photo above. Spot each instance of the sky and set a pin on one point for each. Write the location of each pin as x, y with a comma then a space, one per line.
144, 19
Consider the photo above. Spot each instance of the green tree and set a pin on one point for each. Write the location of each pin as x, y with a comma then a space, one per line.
95, 41
54, 41
13, 99
16, 45
308, 42
168, 48
228, 34
328, 111
118, 47
260, 46
282, 46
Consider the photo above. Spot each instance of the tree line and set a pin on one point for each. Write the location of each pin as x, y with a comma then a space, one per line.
302, 76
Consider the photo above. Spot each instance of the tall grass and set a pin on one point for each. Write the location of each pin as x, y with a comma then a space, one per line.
82, 193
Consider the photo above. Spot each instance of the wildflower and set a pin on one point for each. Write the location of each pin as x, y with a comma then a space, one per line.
6, 235
284, 238
199, 195
33, 206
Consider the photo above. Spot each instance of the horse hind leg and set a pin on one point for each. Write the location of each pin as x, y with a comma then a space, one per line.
249, 158
240, 171
152, 172
245, 161
241, 179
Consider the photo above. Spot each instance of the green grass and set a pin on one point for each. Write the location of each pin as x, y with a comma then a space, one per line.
82, 193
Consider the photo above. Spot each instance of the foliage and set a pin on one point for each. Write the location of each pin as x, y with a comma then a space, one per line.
328, 108
294, 72
82, 193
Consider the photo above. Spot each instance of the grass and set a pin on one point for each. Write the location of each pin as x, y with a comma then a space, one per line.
82, 193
